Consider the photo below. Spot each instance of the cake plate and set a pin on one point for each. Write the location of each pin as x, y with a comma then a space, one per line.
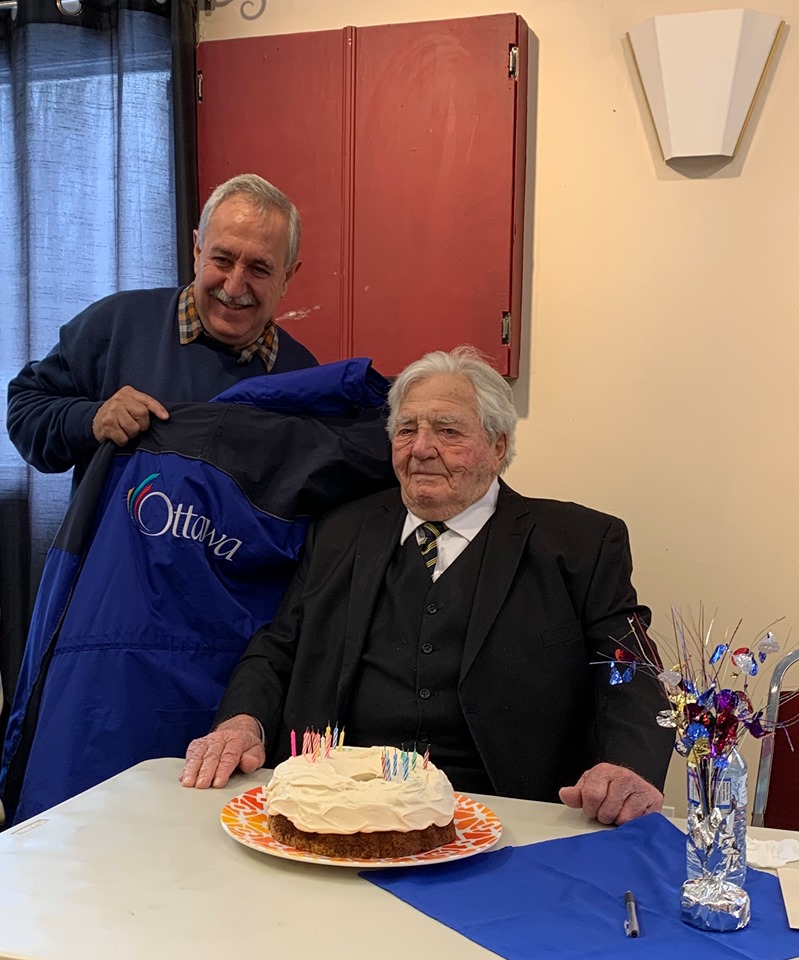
477, 828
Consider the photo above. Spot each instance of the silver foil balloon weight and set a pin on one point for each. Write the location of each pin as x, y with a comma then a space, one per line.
713, 897
712, 904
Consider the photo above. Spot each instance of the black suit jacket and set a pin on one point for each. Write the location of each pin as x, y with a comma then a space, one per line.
553, 596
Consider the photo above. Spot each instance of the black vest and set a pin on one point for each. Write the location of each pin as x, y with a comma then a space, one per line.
406, 690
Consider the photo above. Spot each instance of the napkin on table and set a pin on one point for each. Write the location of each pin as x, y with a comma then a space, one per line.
770, 854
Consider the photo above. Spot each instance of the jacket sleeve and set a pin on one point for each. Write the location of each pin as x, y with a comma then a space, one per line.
627, 732
50, 410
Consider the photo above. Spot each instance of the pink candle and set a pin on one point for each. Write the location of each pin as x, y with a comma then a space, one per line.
293, 744
426, 758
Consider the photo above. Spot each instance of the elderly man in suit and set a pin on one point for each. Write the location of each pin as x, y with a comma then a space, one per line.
457, 613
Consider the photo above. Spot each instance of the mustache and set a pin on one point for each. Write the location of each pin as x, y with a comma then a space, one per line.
247, 300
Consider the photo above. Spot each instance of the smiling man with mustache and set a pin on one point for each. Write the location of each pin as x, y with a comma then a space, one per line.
129, 356
242, 266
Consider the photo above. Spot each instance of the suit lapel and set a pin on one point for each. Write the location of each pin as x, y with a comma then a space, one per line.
511, 527
378, 538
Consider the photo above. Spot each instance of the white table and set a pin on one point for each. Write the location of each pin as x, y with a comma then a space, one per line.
139, 867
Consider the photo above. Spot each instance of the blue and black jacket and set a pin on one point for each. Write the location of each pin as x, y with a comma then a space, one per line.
174, 551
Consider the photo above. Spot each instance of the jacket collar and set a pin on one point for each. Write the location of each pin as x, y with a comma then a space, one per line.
508, 533
377, 540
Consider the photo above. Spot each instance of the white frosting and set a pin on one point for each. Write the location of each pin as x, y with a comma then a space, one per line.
346, 793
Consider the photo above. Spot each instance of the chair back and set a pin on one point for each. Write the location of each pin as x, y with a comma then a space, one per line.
777, 786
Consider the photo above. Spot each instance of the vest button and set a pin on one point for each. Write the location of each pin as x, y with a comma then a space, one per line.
427, 648
424, 693
432, 608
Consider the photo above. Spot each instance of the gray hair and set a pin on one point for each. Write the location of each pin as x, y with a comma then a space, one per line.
494, 398
264, 197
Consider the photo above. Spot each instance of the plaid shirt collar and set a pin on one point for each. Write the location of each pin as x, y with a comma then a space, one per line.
190, 327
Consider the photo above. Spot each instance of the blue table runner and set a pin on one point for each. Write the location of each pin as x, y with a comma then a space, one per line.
564, 900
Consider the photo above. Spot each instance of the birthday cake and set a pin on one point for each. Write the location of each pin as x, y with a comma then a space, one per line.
348, 804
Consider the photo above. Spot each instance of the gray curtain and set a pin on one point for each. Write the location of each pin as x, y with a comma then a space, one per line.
87, 207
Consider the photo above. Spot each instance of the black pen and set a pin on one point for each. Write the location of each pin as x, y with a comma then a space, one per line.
631, 923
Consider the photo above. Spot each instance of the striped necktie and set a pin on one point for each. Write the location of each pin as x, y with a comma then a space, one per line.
429, 532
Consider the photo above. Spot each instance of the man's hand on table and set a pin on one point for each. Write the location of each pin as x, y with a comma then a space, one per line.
235, 743
612, 794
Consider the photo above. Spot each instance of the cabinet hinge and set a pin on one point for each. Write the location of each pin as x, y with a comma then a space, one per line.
513, 62
199, 86
506, 326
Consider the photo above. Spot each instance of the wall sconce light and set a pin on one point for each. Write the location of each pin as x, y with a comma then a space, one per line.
701, 74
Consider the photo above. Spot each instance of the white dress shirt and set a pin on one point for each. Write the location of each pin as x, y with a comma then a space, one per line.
461, 529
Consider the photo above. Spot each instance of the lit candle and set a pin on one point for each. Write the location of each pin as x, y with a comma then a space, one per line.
293, 744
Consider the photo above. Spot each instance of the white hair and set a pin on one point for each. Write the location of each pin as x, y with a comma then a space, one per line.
494, 398
264, 197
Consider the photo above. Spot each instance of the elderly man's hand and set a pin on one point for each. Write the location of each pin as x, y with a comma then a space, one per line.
125, 415
612, 794
211, 759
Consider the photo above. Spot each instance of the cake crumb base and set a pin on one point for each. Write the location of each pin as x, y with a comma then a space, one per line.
361, 846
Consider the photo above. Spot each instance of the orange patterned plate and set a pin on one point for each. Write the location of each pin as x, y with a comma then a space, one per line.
478, 829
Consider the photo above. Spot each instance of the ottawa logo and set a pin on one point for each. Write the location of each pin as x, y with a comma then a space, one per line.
156, 516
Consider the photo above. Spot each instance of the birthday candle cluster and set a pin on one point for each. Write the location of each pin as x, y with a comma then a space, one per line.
316, 744
397, 764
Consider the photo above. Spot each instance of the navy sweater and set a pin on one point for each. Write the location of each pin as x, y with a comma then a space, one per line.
127, 338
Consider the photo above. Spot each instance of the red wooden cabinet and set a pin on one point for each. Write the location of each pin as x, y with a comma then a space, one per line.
404, 148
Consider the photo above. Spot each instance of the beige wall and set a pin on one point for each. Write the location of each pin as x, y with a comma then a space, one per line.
660, 375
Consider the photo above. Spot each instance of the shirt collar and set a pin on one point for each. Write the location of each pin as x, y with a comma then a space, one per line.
190, 327
468, 523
